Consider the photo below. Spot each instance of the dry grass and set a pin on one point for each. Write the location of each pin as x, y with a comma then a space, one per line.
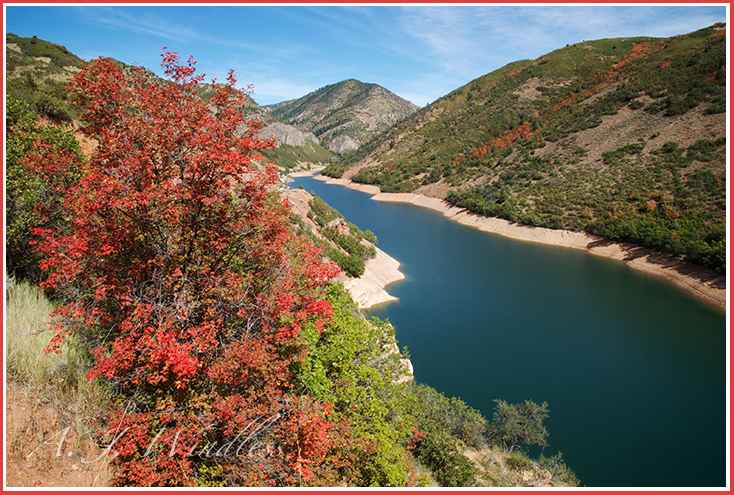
27, 335
47, 395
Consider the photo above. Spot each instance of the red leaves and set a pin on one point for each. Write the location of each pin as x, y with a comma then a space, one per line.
480, 152
418, 437
522, 131
179, 266
306, 436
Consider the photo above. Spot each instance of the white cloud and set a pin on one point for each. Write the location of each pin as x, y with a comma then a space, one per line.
458, 43
139, 22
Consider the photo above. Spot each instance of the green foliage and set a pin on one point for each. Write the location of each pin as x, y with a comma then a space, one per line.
47, 98
352, 264
611, 157
442, 454
321, 212
453, 415
35, 48
34, 68
518, 461
639, 198
26, 187
288, 157
350, 252
348, 365
685, 217
446, 425
519, 424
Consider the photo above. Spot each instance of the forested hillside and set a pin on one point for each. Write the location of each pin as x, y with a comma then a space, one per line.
624, 138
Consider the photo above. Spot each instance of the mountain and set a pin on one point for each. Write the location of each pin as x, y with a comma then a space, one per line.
624, 138
344, 115
37, 71
296, 149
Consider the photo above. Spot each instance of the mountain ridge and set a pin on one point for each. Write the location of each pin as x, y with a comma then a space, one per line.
345, 114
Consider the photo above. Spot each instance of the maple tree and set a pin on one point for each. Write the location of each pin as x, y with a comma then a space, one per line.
178, 269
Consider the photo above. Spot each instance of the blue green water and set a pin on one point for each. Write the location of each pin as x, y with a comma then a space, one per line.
633, 369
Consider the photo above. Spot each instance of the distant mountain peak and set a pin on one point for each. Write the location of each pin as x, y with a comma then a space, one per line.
353, 109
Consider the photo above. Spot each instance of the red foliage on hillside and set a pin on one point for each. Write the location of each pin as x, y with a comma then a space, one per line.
178, 269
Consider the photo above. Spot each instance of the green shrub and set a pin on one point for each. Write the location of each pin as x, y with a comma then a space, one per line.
448, 424
439, 451
519, 424
353, 265
27, 187
347, 366
558, 468
519, 461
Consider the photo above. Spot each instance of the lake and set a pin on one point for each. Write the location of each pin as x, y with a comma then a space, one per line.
633, 369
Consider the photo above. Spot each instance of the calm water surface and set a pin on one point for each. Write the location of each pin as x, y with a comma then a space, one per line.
633, 369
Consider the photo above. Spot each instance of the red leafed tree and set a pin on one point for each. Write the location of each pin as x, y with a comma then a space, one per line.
179, 271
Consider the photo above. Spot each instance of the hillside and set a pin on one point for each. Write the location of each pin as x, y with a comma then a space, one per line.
623, 138
344, 115
37, 71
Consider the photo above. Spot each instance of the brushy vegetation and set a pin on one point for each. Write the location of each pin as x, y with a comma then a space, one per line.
289, 158
41, 84
672, 200
505, 144
350, 246
25, 190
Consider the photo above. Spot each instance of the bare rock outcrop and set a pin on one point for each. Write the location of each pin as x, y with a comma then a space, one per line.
342, 143
287, 134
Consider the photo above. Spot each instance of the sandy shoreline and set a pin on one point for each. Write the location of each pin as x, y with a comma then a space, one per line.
698, 281
369, 289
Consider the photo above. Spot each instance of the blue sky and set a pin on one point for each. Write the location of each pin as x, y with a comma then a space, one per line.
420, 52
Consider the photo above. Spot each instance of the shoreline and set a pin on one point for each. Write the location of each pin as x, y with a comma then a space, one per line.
379, 271
369, 289
701, 282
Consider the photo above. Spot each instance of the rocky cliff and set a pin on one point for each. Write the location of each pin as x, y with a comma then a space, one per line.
288, 134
